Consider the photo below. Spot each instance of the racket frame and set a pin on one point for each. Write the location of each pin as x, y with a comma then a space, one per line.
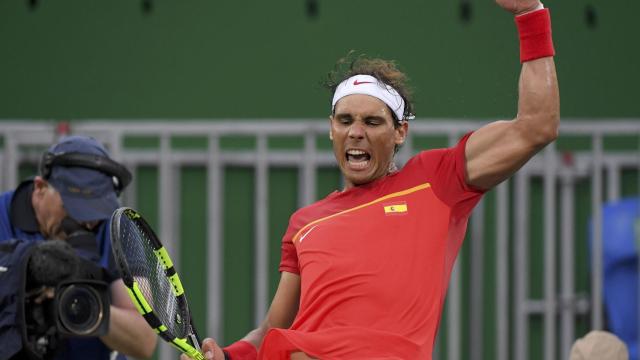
189, 345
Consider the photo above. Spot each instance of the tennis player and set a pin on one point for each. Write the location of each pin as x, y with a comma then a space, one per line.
364, 272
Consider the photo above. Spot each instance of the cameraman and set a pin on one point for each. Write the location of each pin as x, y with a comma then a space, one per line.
35, 212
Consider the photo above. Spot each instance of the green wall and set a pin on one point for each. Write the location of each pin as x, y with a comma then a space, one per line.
263, 59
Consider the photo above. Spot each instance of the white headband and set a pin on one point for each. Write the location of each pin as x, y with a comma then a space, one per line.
369, 85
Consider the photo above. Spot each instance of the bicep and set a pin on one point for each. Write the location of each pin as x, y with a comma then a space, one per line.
496, 151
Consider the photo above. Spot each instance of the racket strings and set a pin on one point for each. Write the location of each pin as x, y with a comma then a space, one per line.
148, 271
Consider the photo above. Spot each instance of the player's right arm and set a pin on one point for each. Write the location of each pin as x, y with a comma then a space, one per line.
282, 311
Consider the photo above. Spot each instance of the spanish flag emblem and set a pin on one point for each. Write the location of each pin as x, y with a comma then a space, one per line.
397, 208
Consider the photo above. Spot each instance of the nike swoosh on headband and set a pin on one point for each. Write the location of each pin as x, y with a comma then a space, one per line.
356, 82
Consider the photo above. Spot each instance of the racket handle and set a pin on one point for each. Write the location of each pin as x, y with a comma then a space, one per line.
194, 340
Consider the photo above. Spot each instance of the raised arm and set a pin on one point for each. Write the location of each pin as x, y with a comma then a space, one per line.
282, 311
497, 150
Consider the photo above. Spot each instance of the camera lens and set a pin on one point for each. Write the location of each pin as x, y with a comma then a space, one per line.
80, 309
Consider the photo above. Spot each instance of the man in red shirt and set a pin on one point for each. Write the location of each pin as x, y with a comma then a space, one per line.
364, 272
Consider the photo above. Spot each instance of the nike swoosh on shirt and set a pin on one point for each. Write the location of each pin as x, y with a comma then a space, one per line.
356, 82
307, 233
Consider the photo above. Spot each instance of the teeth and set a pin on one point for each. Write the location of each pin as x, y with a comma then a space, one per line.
355, 152
358, 165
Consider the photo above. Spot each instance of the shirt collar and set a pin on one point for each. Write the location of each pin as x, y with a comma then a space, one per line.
21, 212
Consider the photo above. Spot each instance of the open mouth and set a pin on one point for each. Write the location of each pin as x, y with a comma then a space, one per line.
357, 159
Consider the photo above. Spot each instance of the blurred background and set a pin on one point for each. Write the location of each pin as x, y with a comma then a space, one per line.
216, 107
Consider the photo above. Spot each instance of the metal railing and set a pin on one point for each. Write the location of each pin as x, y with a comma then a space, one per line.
558, 176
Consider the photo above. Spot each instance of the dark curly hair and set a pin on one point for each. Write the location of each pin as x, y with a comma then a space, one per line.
386, 71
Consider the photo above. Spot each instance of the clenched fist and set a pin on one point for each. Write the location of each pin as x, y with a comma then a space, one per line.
518, 7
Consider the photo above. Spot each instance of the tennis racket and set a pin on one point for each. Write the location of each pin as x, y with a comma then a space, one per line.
152, 282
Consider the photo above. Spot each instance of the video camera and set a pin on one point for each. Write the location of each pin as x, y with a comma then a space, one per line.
66, 293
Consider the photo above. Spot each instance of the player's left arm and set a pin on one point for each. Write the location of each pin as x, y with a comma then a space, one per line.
497, 150
128, 333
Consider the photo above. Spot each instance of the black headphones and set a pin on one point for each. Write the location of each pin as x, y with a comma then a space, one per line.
120, 175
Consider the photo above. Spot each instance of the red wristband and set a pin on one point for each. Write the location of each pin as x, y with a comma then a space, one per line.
241, 350
535, 35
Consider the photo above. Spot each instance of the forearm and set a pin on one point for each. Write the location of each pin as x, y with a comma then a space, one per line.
129, 333
255, 336
538, 96
275, 319
281, 314
539, 99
